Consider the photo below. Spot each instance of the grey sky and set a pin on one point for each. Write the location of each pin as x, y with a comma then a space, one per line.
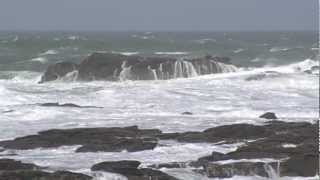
161, 15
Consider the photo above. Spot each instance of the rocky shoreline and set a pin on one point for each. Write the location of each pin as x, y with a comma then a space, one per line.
290, 147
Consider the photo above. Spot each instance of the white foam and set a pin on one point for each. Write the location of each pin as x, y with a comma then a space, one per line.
231, 161
238, 50
49, 52
172, 53
206, 40
15, 39
289, 145
126, 53
278, 49
73, 38
42, 60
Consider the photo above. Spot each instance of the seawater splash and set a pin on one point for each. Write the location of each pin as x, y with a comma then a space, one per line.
184, 69
273, 174
70, 77
172, 70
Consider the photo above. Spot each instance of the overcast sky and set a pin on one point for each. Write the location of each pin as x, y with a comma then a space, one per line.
161, 15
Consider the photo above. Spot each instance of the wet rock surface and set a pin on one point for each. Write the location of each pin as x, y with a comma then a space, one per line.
293, 144
269, 115
58, 70
114, 67
238, 168
66, 105
130, 170
91, 139
16, 170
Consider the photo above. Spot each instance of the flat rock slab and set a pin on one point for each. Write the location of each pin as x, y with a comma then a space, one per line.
297, 143
92, 139
16, 170
130, 170
66, 105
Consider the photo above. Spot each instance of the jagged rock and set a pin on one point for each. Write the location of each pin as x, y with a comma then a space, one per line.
16, 170
113, 67
57, 71
131, 171
91, 139
268, 115
297, 141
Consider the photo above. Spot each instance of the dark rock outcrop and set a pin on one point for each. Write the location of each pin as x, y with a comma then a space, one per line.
187, 113
315, 68
16, 170
131, 171
238, 168
230, 133
296, 142
113, 67
91, 139
268, 115
58, 70
66, 105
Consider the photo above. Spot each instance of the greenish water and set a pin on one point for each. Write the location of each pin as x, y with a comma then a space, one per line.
34, 51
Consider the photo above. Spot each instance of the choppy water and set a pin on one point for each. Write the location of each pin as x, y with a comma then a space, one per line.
214, 99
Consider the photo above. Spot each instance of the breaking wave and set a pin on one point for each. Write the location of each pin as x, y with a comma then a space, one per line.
42, 60
49, 52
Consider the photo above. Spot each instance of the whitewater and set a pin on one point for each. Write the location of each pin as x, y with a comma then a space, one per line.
214, 100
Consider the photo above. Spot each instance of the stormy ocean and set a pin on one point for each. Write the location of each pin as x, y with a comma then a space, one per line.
272, 72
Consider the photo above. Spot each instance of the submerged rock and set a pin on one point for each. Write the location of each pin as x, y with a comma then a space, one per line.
187, 113
130, 170
66, 105
268, 115
114, 67
92, 139
263, 75
16, 170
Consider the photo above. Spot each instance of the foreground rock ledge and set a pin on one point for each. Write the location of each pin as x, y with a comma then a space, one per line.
114, 67
16, 170
295, 144
92, 139
130, 170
